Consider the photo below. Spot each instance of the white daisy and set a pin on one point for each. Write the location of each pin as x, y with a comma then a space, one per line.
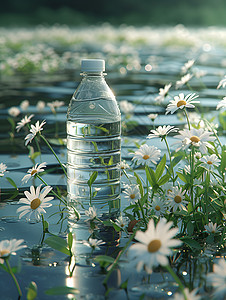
199, 138
35, 202
222, 104
161, 131
40, 105
162, 93
222, 83
24, 105
55, 104
146, 155
152, 116
189, 295
126, 107
212, 228
180, 102
132, 192
34, 130
218, 278
122, 165
176, 198
187, 66
3, 168
199, 73
183, 80
32, 172
91, 213
209, 161
121, 222
93, 243
159, 206
154, 245
8, 247
23, 122
14, 111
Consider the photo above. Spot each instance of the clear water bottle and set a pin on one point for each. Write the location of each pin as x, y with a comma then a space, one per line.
94, 143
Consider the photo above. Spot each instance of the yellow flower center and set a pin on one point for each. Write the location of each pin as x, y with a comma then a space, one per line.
181, 102
35, 203
132, 196
209, 162
154, 246
177, 199
33, 172
194, 139
146, 156
4, 253
157, 207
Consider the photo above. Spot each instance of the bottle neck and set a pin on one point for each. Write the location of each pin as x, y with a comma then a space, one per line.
93, 74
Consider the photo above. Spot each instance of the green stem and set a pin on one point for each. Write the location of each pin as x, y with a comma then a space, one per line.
47, 143
177, 279
171, 165
13, 276
192, 160
43, 229
142, 212
186, 115
214, 132
52, 191
207, 181
117, 259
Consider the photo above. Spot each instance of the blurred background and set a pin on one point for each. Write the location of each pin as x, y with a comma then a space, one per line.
130, 12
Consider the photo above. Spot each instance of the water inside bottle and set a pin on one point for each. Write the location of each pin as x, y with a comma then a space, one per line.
93, 150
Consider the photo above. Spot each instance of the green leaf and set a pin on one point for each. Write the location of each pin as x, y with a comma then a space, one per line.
110, 161
12, 182
32, 291
124, 285
104, 259
46, 226
61, 290
12, 122
70, 240
151, 176
160, 167
177, 159
165, 178
92, 178
111, 223
34, 155
190, 228
191, 242
58, 243
140, 184
223, 161
182, 177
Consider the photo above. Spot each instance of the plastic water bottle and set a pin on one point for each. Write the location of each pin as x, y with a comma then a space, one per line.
94, 143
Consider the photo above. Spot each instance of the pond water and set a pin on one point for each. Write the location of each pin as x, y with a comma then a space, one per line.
139, 86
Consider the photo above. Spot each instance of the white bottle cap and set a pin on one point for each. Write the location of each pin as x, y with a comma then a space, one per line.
92, 65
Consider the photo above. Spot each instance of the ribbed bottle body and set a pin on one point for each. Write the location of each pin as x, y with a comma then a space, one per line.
94, 147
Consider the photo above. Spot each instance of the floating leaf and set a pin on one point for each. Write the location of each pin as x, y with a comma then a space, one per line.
32, 291
61, 290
